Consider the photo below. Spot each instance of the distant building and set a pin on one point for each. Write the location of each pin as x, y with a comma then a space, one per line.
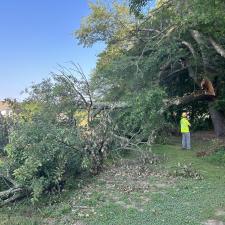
5, 109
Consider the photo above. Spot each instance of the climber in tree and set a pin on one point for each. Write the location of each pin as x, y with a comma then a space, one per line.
207, 87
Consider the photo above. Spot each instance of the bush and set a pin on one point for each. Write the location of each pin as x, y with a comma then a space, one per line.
49, 143
186, 171
42, 151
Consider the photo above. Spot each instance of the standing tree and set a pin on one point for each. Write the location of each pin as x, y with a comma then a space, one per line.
177, 44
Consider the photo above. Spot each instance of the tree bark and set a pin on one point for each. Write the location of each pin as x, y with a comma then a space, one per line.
219, 48
12, 195
218, 120
194, 96
198, 37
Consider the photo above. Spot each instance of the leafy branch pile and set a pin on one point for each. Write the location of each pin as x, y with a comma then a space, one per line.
186, 171
60, 131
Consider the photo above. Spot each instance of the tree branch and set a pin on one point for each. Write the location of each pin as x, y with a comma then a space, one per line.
201, 43
195, 96
189, 46
219, 48
11, 195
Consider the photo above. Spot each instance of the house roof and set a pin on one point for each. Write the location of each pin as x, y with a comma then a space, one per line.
4, 106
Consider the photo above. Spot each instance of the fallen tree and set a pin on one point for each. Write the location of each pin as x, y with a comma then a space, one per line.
65, 135
14, 191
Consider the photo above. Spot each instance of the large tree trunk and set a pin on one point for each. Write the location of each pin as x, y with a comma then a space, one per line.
218, 120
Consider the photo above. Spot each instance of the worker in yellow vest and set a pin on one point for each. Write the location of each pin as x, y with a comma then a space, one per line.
185, 131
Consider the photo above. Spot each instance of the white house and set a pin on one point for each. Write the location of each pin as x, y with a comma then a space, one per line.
5, 108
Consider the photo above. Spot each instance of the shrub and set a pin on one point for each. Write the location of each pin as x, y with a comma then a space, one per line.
186, 171
48, 143
42, 151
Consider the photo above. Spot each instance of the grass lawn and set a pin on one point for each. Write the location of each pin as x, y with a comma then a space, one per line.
133, 193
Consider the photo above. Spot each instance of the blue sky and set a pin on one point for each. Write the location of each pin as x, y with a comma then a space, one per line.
35, 36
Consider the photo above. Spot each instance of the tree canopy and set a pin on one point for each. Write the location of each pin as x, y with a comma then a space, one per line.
177, 46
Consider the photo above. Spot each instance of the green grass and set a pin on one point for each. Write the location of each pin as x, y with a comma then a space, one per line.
175, 155
106, 199
188, 202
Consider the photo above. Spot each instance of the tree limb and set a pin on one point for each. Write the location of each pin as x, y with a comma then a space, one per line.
195, 96
11, 195
219, 48
199, 39
189, 46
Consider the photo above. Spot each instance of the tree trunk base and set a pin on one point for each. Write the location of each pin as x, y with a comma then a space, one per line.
218, 120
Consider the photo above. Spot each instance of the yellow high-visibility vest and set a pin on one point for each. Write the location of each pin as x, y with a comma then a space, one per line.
184, 125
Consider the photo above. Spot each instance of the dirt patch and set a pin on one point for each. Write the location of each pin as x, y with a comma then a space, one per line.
49, 221
126, 184
161, 185
220, 212
213, 222
78, 223
132, 176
